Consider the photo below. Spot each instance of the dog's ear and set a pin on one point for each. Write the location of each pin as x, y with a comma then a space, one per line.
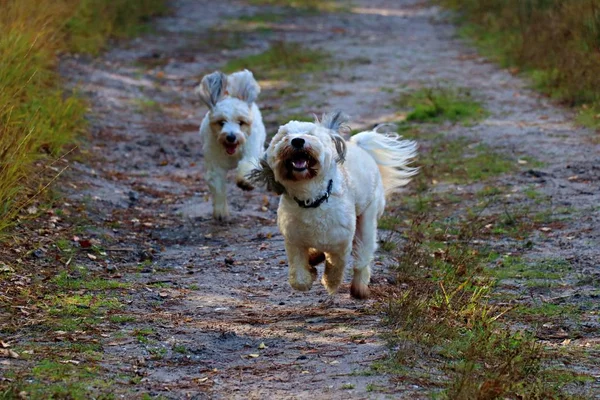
263, 175
212, 88
340, 147
336, 122
243, 86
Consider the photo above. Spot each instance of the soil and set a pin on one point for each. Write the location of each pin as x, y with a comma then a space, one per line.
220, 290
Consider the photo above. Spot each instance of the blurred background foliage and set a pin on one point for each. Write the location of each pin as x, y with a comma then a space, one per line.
37, 117
556, 41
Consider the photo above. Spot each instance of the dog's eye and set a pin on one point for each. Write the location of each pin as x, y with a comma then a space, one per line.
221, 123
242, 122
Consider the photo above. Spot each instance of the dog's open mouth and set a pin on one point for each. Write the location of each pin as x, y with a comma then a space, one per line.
301, 161
230, 148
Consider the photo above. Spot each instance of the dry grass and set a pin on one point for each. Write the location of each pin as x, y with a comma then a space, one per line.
441, 312
37, 117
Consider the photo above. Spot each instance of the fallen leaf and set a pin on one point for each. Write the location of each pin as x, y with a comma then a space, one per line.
545, 229
92, 257
74, 362
4, 345
8, 353
253, 355
85, 243
262, 345
5, 269
522, 162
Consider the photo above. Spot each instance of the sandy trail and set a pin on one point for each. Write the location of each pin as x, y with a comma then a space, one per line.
218, 291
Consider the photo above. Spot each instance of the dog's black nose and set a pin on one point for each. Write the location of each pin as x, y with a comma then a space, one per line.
298, 143
230, 137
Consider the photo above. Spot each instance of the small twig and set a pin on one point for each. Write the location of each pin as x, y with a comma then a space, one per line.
503, 312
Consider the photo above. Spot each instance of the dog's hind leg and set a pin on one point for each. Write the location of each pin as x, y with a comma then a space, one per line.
335, 265
216, 183
301, 273
365, 244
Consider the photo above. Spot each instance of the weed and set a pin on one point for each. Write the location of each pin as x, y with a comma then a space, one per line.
55, 380
66, 282
147, 105
460, 160
445, 312
121, 319
180, 349
347, 386
281, 60
441, 104
157, 353
307, 6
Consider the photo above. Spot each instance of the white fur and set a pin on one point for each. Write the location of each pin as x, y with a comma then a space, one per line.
234, 104
344, 227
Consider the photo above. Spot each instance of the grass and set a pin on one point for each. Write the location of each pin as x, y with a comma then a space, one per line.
52, 379
516, 268
257, 22
281, 60
444, 313
37, 116
553, 41
441, 104
307, 6
66, 281
460, 160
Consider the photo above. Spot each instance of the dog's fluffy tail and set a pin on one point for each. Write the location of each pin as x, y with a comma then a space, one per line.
392, 155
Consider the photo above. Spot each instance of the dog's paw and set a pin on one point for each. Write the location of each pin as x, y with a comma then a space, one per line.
303, 279
221, 215
244, 185
359, 288
300, 286
360, 291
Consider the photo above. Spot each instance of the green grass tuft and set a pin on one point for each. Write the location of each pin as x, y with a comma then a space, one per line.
281, 60
441, 104
306, 6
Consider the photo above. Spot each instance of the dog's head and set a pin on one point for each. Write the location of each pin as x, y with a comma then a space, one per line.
302, 151
229, 99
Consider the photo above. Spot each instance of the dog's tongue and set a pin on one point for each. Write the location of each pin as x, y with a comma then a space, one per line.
230, 149
300, 164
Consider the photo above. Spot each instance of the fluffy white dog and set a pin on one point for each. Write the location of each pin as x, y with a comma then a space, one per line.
333, 193
232, 132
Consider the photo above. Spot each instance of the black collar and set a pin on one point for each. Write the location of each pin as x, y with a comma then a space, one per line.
319, 201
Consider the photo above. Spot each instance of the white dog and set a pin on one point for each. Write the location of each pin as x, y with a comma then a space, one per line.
232, 132
333, 193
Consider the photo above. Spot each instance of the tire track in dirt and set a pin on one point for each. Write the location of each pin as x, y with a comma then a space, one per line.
220, 291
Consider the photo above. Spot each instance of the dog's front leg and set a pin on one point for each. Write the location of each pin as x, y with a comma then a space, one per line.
301, 273
335, 264
245, 166
216, 178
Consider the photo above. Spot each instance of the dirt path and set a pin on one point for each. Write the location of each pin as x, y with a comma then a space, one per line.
207, 311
